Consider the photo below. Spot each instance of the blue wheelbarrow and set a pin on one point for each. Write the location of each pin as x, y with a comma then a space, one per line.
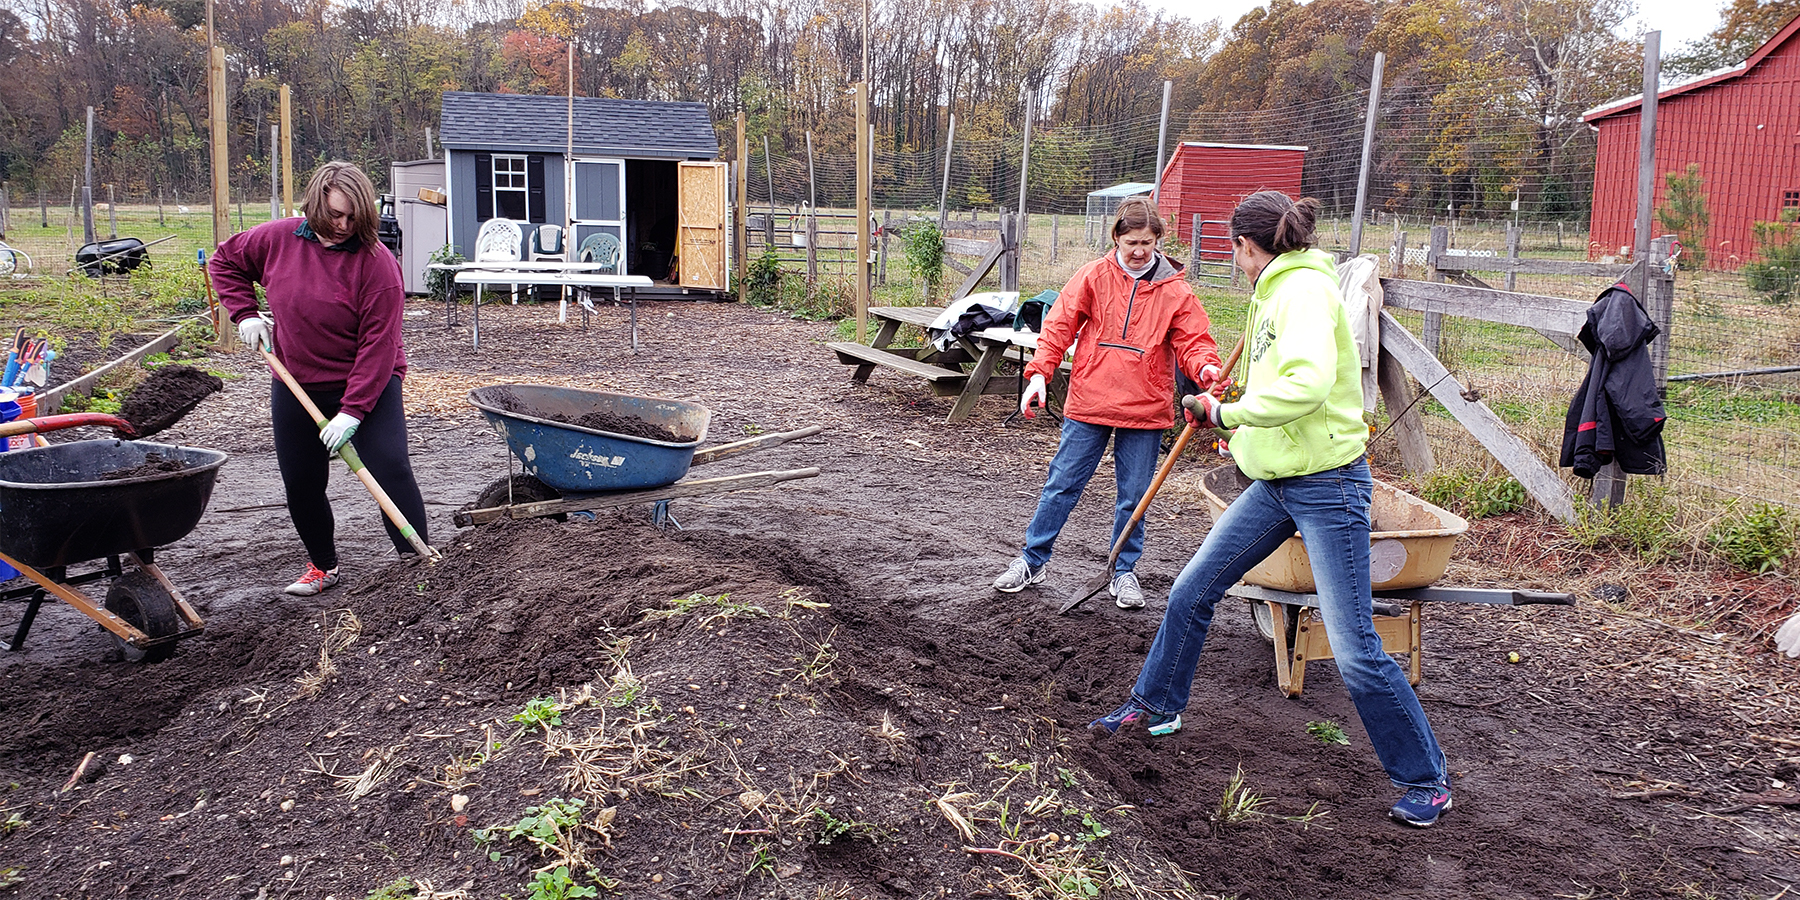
583, 449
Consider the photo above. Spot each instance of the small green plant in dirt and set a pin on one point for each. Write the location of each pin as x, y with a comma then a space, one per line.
13, 822
11, 876
1328, 733
1473, 494
1757, 539
1065, 777
1092, 829
557, 884
542, 712
925, 258
194, 338
716, 606
176, 288
762, 280
829, 828
1007, 765
401, 888
1238, 805
762, 861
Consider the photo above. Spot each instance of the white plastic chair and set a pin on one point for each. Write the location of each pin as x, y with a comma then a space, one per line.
499, 240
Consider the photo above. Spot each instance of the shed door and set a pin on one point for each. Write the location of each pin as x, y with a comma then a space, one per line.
599, 202
700, 196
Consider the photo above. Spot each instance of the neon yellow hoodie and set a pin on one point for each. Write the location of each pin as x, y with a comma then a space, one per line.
1302, 406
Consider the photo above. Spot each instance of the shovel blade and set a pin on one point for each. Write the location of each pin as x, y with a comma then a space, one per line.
1093, 587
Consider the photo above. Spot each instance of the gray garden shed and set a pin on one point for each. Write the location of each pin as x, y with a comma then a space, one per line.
646, 172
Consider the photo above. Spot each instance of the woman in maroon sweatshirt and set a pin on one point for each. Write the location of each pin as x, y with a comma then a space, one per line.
336, 299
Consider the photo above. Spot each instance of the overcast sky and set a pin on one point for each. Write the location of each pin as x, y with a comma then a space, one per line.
1680, 21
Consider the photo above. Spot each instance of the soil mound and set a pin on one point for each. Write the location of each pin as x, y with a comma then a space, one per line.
154, 464
598, 420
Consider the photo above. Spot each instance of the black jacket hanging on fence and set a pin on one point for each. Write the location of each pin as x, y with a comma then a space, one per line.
1617, 413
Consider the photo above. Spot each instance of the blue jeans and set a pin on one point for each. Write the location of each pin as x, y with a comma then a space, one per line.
1134, 463
1331, 511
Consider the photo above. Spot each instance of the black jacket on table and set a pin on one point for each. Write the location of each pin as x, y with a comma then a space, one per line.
1617, 414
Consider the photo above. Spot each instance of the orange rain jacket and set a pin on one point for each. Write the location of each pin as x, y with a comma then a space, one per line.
1133, 332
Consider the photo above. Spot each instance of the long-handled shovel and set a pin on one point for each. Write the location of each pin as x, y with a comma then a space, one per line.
348, 454
1137, 515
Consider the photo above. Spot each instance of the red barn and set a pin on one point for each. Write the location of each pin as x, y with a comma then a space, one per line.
1741, 125
1208, 180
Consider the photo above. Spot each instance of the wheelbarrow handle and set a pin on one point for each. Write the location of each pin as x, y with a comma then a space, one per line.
67, 420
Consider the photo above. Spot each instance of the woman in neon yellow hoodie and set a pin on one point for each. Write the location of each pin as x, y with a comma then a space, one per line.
1300, 436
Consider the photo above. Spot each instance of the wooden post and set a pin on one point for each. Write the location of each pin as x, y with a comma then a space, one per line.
159, 209
112, 214
43, 209
1362, 174
1194, 248
221, 158
87, 182
944, 191
275, 173
863, 202
1053, 236
1646, 182
1397, 255
287, 151
812, 181
1009, 256
5, 208
1512, 252
1408, 427
739, 222
1433, 336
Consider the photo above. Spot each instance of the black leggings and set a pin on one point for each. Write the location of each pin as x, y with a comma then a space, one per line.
306, 466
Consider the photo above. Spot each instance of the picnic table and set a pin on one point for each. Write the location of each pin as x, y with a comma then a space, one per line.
562, 274
963, 370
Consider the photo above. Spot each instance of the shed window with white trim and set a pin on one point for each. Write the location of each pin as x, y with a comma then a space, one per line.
510, 187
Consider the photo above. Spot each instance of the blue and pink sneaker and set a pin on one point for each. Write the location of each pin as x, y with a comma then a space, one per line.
1132, 714
1421, 806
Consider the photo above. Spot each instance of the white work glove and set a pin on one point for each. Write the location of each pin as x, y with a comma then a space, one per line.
1210, 376
1224, 449
257, 333
1787, 638
1208, 413
338, 431
1034, 395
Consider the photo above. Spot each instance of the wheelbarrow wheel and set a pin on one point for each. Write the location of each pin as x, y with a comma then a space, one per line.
1265, 620
525, 489
138, 598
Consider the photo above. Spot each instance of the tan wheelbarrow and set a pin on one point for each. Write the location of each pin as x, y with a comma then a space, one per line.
1409, 547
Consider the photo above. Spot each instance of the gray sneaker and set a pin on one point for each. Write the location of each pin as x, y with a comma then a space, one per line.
1126, 591
1018, 576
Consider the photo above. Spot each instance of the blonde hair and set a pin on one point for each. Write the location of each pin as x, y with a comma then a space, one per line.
344, 178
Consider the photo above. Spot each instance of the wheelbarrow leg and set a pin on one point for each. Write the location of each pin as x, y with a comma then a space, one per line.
31, 610
662, 518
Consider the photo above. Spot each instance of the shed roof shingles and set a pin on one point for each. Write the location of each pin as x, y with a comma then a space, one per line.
603, 126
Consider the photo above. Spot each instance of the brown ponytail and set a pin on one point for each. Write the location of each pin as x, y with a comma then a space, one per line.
1275, 222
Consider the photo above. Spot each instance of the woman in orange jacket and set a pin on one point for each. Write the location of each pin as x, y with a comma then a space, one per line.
1137, 320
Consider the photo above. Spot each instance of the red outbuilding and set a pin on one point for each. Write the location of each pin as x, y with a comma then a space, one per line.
1208, 180
1740, 125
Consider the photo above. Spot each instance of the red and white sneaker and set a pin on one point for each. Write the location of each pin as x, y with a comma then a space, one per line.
314, 581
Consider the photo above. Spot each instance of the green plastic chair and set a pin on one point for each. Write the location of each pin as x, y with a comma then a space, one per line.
601, 248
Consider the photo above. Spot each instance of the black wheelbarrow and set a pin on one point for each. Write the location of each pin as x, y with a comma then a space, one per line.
106, 501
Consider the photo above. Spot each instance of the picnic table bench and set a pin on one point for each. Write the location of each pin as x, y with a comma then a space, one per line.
963, 370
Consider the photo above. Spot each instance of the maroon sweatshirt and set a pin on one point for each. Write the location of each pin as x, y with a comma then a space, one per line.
337, 309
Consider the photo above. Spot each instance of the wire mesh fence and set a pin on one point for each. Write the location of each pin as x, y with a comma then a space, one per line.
1506, 176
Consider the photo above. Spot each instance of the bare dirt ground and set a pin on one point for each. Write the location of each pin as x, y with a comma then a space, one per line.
811, 691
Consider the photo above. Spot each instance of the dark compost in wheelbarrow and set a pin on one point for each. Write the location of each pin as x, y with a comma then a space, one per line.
598, 420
